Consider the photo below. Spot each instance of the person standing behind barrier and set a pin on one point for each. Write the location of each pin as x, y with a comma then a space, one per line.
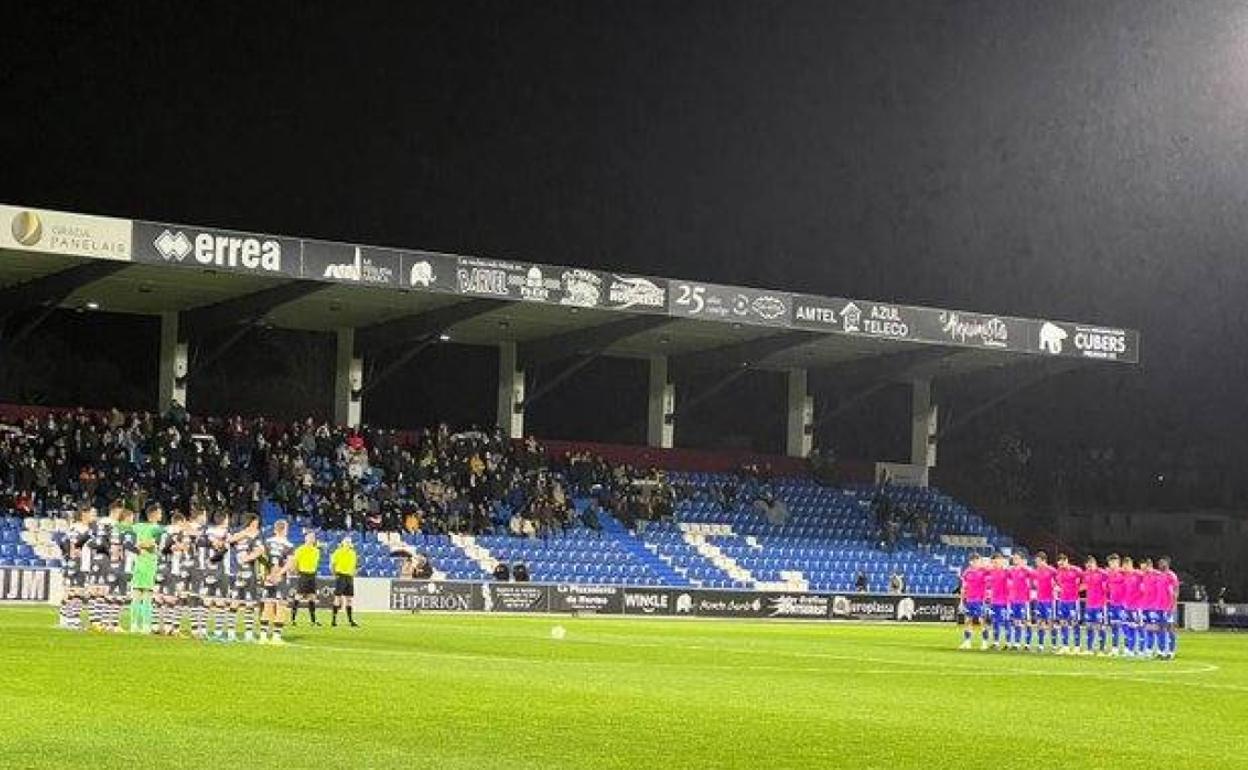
307, 562
343, 563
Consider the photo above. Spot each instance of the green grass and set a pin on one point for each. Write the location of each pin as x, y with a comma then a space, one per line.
442, 691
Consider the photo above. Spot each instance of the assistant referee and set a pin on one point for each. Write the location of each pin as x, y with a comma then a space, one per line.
307, 562
343, 562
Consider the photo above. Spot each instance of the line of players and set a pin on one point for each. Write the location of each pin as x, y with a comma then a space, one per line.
207, 577
1126, 610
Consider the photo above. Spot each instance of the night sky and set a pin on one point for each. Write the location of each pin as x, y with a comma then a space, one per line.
1069, 160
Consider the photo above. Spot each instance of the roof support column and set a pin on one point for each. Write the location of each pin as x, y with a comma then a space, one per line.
510, 391
172, 370
660, 406
922, 426
800, 413
348, 381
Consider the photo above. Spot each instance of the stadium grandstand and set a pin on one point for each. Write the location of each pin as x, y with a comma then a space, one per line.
469, 501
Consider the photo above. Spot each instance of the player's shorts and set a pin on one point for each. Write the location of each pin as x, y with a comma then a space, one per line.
100, 571
214, 587
1000, 613
344, 585
974, 610
1018, 612
305, 584
76, 579
247, 589
1095, 615
1167, 618
195, 580
274, 592
1153, 617
1117, 613
172, 584
1042, 610
1068, 612
119, 586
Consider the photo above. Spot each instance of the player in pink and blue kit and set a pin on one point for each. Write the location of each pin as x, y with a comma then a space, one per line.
1042, 609
974, 587
1095, 600
999, 600
1068, 577
1150, 587
1132, 631
1019, 592
1167, 600
1115, 587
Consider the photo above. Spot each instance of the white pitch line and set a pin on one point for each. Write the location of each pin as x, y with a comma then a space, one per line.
906, 668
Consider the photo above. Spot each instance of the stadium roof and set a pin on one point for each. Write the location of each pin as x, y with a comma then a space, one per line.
132, 266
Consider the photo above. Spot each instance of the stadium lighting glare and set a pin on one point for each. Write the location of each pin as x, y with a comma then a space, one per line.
92, 305
444, 337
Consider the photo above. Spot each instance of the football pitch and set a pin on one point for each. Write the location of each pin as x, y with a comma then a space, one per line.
466, 691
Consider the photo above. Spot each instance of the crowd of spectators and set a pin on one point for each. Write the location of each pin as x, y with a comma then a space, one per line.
429, 481
895, 522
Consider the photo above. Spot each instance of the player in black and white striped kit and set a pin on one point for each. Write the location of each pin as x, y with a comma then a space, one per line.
248, 549
195, 533
121, 552
177, 551
277, 584
218, 575
95, 561
76, 562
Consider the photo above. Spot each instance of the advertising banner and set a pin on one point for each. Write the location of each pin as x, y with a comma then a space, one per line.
76, 235
1099, 342
656, 601
797, 605
462, 596
427, 271
163, 244
567, 286
344, 263
894, 607
729, 604
25, 585
435, 596
730, 303
587, 599
952, 327
515, 597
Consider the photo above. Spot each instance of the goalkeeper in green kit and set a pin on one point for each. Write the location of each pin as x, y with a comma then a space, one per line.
143, 579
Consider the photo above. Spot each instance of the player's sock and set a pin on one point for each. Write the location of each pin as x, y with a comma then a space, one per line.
966, 635
277, 629
249, 622
136, 613
1029, 635
334, 621
1115, 635
312, 610
351, 614
1172, 640
294, 611
1128, 637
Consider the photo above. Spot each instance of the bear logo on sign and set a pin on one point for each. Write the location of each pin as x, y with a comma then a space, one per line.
1051, 337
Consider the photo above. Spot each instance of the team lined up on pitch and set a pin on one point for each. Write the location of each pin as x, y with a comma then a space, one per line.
1125, 611
194, 574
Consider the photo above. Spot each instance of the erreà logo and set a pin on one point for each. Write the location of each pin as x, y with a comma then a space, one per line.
211, 249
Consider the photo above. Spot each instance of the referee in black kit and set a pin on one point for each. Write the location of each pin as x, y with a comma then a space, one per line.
307, 562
